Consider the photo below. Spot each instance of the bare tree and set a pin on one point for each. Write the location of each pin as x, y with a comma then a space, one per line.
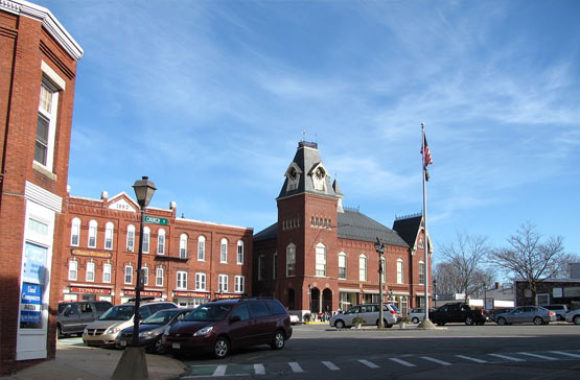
463, 259
527, 258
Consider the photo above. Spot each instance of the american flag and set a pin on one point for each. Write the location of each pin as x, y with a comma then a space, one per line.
426, 153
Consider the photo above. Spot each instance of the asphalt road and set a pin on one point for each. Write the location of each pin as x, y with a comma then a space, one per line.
454, 352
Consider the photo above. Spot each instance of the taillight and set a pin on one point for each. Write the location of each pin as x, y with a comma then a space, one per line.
481, 312
393, 312
550, 313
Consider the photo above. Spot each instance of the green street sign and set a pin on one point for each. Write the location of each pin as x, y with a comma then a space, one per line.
156, 220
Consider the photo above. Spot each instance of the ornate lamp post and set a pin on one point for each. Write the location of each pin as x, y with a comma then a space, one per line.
380, 248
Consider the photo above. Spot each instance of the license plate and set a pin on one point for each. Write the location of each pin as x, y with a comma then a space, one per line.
176, 346
123, 343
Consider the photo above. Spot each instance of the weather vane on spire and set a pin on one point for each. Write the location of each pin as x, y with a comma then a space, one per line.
303, 135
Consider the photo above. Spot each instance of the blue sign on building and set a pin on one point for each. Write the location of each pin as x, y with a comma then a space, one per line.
31, 306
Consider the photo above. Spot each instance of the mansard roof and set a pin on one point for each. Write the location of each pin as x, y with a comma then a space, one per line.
351, 225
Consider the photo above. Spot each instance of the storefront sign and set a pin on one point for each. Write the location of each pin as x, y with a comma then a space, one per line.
75, 289
144, 293
191, 294
34, 264
96, 254
31, 306
227, 296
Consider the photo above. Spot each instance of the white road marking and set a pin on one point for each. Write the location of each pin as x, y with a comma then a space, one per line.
565, 354
259, 369
537, 356
295, 367
508, 358
472, 359
434, 360
330, 366
403, 362
368, 363
220, 370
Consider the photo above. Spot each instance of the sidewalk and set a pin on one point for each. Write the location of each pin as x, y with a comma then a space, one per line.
78, 362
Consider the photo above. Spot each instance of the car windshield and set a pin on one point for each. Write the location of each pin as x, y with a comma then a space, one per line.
118, 313
162, 317
209, 313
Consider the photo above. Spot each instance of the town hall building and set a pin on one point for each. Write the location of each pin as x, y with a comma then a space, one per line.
319, 256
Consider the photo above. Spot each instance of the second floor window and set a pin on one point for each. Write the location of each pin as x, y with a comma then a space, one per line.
109, 229
107, 272
130, 238
421, 272
46, 124
239, 282
275, 265
400, 277
201, 248
320, 260
75, 232
73, 270
342, 266
183, 246
362, 268
181, 280
93, 234
159, 277
223, 283
128, 274
145, 275
90, 274
240, 255
224, 251
291, 260
200, 283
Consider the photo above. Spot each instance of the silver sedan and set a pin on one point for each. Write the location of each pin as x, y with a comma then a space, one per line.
526, 314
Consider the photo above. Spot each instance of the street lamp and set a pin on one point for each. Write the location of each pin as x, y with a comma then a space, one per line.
435, 293
484, 296
133, 363
380, 248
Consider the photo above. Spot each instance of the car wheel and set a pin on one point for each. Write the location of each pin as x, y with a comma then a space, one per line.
221, 347
576, 320
415, 320
538, 321
278, 340
339, 324
469, 321
501, 321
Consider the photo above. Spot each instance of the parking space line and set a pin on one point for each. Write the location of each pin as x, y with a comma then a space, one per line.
508, 357
330, 365
566, 354
259, 369
434, 360
472, 359
295, 367
220, 370
368, 363
537, 356
402, 362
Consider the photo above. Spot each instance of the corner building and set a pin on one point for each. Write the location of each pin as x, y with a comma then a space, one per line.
320, 256
185, 261
38, 60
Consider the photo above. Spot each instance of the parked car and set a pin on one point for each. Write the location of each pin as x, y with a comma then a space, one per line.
492, 315
573, 316
151, 329
458, 312
294, 319
560, 311
104, 330
526, 314
418, 314
369, 313
73, 317
220, 327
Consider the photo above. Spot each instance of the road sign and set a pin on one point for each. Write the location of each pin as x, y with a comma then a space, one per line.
156, 220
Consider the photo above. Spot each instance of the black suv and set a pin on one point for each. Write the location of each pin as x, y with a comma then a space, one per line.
74, 316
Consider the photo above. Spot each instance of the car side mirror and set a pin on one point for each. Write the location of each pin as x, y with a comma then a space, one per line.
235, 318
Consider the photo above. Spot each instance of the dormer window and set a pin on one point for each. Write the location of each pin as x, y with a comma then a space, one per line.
293, 175
318, 178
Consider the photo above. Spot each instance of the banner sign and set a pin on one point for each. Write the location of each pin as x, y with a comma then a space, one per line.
88, 253
75, 289
31, 306
144, 293
191, 294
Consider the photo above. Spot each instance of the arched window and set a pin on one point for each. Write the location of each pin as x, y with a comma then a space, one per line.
320, 260
73, 270
183, 246
201, 248
109, 231
161, 242
291, 260
400, 276
90, 272
362, 268
75, 232
107, 275
224, 251
422, 272
93, 234
159, 277
146, 239
130, 238
128, 274
342, 266
240, 252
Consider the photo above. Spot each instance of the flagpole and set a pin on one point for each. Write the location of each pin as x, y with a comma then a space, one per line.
426, 245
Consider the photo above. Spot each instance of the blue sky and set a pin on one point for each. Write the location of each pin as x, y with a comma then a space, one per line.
210, 98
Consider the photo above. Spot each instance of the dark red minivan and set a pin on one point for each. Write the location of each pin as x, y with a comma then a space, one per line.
221, 326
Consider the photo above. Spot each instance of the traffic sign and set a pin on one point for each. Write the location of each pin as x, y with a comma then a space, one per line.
156, 220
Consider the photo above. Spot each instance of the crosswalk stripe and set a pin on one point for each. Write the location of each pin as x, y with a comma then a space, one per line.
508, 358
295, 367
330, 366
472, 359
537, 356
565, 354
259, 369
220, 370
403, 362
368, 363
434, 360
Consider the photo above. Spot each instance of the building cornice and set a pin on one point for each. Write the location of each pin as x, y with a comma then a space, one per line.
49, 22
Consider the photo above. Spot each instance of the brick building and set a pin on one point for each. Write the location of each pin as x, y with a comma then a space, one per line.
185, 261
38, 61
320, 256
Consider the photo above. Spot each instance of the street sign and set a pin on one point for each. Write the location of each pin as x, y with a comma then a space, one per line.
156, 220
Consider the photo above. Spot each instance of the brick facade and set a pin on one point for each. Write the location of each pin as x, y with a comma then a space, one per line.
34, 49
